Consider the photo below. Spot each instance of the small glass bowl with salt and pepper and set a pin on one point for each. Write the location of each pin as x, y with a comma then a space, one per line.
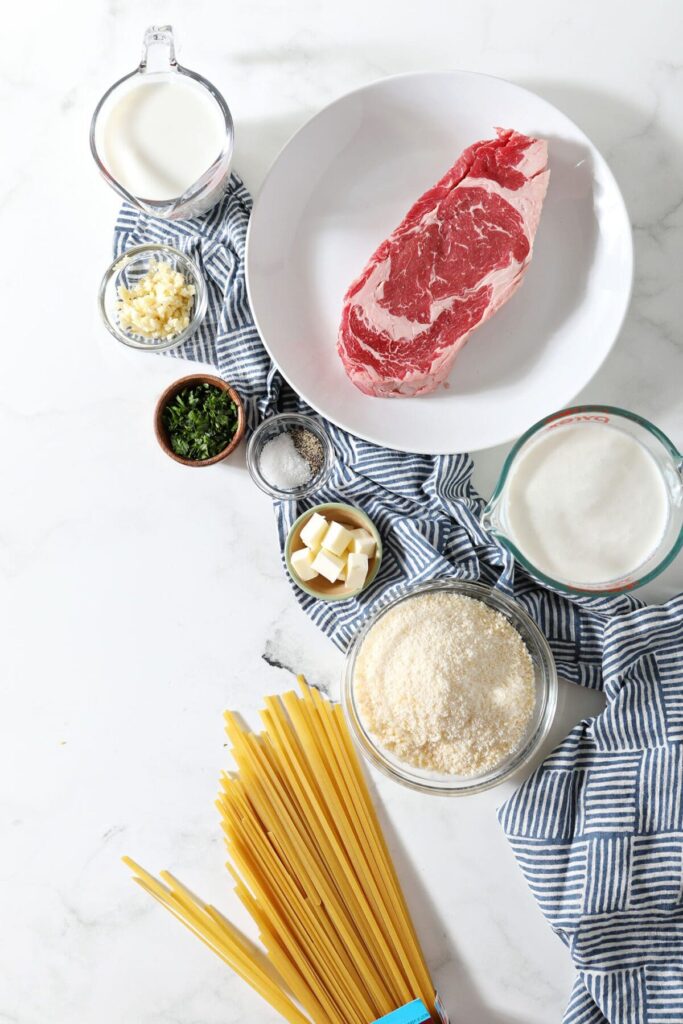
289, 456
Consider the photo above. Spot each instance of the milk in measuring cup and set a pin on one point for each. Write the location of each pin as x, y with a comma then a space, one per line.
586, 503
161, 136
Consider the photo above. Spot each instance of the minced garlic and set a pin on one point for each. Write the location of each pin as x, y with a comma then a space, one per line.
158, 305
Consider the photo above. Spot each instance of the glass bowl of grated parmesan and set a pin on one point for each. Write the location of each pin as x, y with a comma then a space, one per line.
153, 297
449, 688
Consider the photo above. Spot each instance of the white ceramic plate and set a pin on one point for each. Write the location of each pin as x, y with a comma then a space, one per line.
344, 182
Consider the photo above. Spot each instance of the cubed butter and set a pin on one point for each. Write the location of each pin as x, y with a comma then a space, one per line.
314, 531
363, 543
337, 539
302, 564
328, 565
356, 570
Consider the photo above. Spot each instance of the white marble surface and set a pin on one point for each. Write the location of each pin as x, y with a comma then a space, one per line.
139, 599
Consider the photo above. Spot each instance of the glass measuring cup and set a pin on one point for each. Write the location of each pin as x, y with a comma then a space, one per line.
669, 462
159, 66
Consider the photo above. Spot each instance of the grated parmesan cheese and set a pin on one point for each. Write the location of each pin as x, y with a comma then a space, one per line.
445, 683
158, 305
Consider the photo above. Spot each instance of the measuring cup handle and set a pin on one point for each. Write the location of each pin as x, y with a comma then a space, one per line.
158, 49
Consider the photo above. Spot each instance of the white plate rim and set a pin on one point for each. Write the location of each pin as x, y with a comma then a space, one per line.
404, 75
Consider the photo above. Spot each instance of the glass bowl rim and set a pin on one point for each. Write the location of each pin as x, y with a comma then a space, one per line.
147, 250
292, 419
545, 673
549, 581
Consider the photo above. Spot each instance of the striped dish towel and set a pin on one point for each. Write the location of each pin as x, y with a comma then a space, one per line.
598, 828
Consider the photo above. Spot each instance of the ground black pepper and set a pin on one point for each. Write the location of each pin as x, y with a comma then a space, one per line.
309, 447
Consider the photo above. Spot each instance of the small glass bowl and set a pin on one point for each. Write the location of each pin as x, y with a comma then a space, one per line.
126, 270
269, 429
545, 678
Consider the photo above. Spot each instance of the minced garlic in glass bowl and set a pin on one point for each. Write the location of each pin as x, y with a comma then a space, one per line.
153, 297
158, 305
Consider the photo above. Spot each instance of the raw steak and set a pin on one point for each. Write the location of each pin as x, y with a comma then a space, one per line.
456, 257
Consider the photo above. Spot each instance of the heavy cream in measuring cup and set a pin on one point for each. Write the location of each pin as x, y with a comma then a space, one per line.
160, 137
586, 503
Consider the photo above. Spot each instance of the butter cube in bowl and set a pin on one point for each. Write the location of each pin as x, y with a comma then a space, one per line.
333, 551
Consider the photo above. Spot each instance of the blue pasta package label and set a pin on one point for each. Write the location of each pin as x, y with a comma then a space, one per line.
414, 1013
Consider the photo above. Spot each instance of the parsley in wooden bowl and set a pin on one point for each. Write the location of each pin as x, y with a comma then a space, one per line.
199, 420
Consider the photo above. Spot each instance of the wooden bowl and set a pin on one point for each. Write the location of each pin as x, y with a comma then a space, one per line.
347, 515
170, 393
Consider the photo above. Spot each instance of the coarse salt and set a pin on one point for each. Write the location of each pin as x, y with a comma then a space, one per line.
445, 683
282, 465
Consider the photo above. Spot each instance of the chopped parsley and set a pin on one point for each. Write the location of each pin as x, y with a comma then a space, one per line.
200, 421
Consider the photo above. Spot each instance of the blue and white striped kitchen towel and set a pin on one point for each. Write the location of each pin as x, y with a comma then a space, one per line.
598, 828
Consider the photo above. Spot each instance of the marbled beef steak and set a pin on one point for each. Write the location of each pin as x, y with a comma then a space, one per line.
457, 256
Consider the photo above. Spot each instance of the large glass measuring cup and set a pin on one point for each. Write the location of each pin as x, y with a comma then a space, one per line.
159, 66
497, 517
